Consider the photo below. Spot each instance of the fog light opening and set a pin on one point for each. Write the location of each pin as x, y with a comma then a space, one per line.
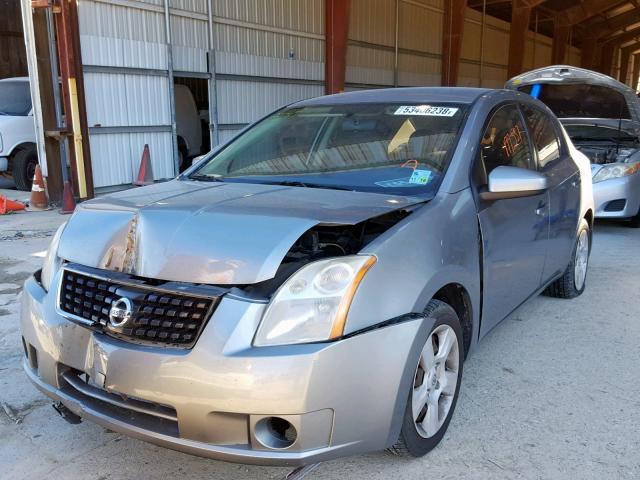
275, 432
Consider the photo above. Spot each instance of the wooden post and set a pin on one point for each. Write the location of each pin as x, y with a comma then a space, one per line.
635, 77
452, 29
520, 15
66, 20
559, 45
589, 47
336, 35
606, 59
624, 64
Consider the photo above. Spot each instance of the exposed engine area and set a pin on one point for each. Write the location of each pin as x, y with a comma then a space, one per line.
323, 241
601, 154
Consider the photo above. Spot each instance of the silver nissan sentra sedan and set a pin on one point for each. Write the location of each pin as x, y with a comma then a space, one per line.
311, 289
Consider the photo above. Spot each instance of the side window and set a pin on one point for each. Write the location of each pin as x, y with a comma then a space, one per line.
505, 142
543, 135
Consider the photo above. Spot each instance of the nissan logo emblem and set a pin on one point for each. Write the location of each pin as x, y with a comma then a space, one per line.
120, 312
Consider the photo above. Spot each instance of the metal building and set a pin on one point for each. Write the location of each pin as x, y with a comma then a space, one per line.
243, 58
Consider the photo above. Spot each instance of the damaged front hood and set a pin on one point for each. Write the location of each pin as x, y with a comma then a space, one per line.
215, 233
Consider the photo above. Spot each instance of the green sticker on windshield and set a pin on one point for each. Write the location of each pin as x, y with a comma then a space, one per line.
420, 177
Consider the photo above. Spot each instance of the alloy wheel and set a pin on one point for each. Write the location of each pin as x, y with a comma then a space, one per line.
435, 382
581, 260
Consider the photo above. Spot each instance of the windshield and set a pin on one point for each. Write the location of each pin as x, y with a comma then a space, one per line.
580, 100
15, 98
384, 148
597, 132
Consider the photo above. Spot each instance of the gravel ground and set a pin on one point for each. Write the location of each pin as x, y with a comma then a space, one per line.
553, 392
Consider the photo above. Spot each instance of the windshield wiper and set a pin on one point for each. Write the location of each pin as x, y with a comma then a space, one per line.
297, 183
208, 178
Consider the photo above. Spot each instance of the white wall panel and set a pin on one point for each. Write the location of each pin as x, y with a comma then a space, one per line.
372, 21
115, 52
297, 15
196, 6
116, 157
115, 100
106, 101
246, 40
226, 135
245, 101
148, 100
107, 20
255, 65
189, 40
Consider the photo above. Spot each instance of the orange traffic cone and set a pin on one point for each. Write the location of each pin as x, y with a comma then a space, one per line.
145, 174
38, 200
7, 205
68, 202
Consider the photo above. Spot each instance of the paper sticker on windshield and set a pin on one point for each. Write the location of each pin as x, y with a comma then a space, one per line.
426, 110
420, 177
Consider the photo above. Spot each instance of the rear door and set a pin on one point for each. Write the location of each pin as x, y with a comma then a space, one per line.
514, 230
563, 175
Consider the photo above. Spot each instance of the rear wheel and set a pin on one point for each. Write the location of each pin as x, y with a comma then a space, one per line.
24, 167
573, 281
434, 391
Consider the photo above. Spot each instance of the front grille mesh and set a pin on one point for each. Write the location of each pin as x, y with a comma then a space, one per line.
159, 316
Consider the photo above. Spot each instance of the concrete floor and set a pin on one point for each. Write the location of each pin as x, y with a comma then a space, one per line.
553, 392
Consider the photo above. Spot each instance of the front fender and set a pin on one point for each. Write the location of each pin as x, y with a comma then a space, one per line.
434, 246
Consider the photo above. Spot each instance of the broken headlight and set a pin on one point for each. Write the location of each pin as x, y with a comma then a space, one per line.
312, 305
51, 262
616, 170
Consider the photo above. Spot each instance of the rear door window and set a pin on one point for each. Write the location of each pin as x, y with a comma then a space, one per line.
543, 135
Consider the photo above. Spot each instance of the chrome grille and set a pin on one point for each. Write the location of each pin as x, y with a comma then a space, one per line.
162, 313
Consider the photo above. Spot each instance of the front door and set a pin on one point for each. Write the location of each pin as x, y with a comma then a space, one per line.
515, 230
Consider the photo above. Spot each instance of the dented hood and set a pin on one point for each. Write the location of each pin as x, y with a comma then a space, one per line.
216, 233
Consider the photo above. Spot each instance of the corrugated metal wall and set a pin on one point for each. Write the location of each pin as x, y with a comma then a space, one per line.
256, 55
124, 54
268, 54
371, 51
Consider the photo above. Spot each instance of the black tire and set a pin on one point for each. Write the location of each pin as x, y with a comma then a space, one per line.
410, 443
565, 286
634, 222
23, 168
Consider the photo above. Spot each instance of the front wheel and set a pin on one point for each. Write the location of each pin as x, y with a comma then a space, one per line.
434, 391
24, 168
573, 281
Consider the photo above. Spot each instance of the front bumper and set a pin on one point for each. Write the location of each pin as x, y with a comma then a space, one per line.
617, 197
343, 398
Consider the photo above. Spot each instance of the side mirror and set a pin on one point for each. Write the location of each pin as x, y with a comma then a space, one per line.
513, 182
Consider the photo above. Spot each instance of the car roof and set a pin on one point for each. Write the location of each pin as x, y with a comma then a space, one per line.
398, 95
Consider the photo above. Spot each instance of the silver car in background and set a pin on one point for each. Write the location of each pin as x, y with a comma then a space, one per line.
602, 117
311, 289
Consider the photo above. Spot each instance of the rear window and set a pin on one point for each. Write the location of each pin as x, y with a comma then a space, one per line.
580, 100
